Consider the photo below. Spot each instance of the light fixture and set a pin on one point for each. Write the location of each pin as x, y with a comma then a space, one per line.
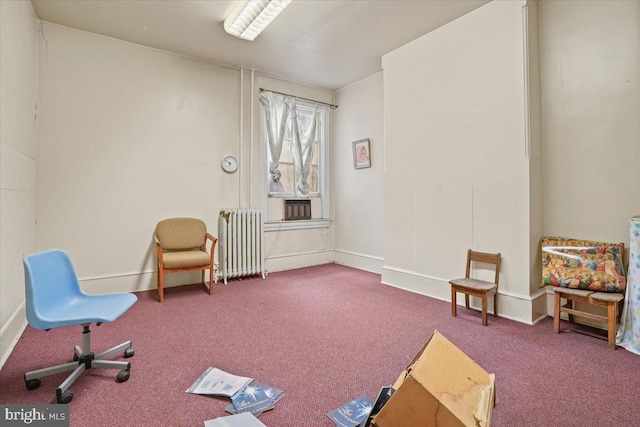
252, 16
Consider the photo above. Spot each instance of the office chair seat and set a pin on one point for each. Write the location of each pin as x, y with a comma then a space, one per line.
54, 299
83, 309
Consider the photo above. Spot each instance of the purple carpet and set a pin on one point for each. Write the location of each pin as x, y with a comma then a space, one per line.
324, 335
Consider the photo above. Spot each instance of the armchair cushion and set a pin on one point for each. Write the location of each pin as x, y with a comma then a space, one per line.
181, 233
185, 259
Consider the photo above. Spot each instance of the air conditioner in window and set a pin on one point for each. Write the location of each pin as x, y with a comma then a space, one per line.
297, 209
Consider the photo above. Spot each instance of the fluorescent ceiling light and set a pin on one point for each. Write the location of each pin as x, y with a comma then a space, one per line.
252, 16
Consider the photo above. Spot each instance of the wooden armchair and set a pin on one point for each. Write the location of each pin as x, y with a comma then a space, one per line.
181, 246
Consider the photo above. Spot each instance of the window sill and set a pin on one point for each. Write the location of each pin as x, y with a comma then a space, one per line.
293, 196
296, 225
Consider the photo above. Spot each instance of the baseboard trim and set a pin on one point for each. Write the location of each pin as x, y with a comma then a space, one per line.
298, 260
370, 263
11, 332
513, 306
137, 282
147, 280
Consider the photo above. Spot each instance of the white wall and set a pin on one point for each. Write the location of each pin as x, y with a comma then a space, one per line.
590, 64
287, 249
130, 135
19, 88
457, 176
358, 193
534, 149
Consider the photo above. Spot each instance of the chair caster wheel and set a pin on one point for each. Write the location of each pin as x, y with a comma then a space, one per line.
122, 376
129, 352
75, 357
32, 384
65, 397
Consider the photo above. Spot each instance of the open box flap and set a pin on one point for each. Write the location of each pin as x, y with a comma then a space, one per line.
447, 382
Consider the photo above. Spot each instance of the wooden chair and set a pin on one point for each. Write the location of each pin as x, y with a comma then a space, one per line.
611, 300
181, 246
477, 288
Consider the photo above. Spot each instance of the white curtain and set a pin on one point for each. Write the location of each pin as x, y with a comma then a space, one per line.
279, 111
302, 148
276, 112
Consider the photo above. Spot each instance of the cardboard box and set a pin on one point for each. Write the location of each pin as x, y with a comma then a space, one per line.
443, 387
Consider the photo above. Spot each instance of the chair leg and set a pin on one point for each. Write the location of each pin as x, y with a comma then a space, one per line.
211, 280
611, 326
619, 307
556, 312
454, 303
466, 300
65, 367
161, 283
85, 360
484, 309
495, 304
571, 306
206, 285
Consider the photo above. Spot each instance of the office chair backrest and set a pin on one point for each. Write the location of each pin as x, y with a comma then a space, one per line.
181, 233
50, 281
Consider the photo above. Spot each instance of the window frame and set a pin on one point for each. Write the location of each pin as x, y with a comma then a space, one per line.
323, 193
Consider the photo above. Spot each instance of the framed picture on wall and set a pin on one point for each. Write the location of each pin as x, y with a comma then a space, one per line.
362, 154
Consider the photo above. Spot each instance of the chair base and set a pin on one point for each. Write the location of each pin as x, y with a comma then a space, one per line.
84, 359
208, 286
471, 292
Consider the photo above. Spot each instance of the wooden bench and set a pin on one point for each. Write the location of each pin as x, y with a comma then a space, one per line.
612, 301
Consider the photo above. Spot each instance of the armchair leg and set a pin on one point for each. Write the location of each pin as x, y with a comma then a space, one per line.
161, 284
206, 285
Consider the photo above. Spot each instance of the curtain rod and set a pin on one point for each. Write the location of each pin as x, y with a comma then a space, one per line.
299, 97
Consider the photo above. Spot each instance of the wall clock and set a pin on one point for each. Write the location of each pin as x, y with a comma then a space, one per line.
229, 164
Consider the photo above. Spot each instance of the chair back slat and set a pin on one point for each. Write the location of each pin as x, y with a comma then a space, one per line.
486, 258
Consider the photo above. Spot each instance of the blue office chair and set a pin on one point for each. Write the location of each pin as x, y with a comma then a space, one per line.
54, 299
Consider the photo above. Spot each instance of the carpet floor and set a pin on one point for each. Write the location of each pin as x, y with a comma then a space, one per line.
324, 335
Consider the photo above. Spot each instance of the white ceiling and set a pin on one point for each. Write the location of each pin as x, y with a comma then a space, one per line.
323, 43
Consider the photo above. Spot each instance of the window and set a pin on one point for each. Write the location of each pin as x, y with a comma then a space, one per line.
288, 177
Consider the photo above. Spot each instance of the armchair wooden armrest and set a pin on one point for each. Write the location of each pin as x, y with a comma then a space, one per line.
158, 249
213, 244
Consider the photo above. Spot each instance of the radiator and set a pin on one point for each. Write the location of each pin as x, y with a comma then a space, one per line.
240, 244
